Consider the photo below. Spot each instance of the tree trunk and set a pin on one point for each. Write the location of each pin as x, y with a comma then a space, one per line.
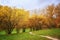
23, 29
17, 30
9, 32
31, 29
34, 28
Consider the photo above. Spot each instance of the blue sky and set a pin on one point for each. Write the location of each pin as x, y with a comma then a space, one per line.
28, 4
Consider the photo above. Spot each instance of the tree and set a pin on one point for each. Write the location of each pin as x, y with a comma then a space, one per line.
57, 13
7, 11
7, 19
34, 23
50, 13
22, 16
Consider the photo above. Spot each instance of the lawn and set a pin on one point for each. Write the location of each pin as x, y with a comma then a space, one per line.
27, 36
21, 36
49, 32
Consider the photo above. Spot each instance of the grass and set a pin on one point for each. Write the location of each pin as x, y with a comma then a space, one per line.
27, 36
49, 32
21, 36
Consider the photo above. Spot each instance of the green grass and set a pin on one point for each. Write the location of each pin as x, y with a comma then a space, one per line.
49, 32
21, 36
27, 36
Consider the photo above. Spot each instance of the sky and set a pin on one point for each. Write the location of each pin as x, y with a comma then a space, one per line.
28, 4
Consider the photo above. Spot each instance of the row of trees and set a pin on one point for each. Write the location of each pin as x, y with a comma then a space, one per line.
11, 18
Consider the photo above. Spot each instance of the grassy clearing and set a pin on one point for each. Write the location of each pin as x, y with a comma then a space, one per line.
49, 32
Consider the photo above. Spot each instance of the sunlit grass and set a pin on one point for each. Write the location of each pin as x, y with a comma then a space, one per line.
21, 36
49, 32
27, 36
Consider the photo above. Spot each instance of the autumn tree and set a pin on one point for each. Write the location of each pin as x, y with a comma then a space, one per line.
9, 19
34, 23
57, 14
50, 14
6, 15
22, 16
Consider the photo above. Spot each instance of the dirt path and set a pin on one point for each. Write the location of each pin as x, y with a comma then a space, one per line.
44, 36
